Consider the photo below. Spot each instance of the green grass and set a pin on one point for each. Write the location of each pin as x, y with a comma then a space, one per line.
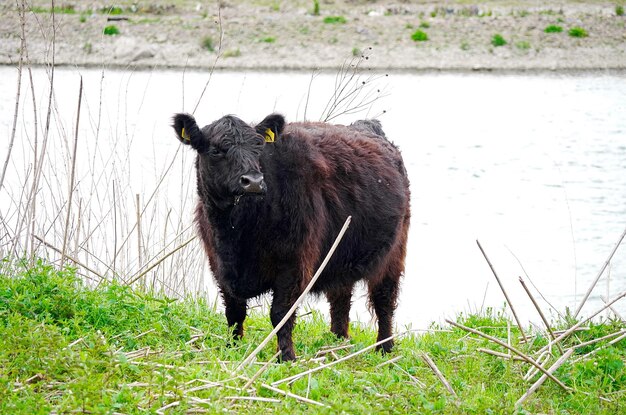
522, 45
498, 40
419, 36
553, 29
316, 8
268, 39
66, 9
578, 32
335, 20
207, 43
68, 349
619, 10
111, 30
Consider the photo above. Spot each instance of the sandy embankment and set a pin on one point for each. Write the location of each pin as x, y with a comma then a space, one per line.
286, 35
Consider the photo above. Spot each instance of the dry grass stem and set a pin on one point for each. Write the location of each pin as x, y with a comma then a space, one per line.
295, 305
415, 380
615, 312
512, 349
161, 411
506, 296
252, 398
580, 323
343, 359
599, 339
77, 262
389, 362
543, 378
595, 281
260, 371
156, 264
293, 395
594, 351
543, 317
70, 190
438, 373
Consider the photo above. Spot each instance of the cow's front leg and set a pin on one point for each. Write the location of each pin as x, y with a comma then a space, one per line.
235, 314
281, 303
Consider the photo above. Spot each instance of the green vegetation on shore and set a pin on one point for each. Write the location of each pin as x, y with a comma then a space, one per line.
66, 348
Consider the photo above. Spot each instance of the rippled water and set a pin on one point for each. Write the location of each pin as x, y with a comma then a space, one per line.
532, 165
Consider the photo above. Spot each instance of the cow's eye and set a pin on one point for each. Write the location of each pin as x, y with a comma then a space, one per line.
216, 151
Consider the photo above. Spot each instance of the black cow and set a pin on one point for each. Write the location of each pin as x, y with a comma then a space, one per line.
272, 199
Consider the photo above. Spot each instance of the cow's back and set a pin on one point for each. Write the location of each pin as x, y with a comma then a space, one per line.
345, 171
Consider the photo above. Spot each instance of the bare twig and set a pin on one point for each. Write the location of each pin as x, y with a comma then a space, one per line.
514, 350
617, 314
595, 281
519, 324
261, 370
295, 305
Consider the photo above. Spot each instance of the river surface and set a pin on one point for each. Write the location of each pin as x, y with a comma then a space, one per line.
531, 165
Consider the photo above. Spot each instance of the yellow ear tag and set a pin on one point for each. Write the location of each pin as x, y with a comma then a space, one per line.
185, 135
269, 136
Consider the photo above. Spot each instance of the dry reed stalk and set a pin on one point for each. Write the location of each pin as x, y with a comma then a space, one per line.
38, 167
543, 359
156, 264
70, 195
20, 64
543, 317
138, 213
594, 351
252, 398
498, 354
74, 260
389, 362
543, 378
261, 370
580, 323
413, 378
615, 312
330, 349
295, 305
438, 373
294, 396
161, 410
343, 359
506, 296
599, 339
218, 55
595, 281
513, 349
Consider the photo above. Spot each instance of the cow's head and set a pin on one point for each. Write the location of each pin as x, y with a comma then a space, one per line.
229, 152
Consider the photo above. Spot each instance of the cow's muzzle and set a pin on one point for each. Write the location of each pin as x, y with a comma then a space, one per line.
252, 183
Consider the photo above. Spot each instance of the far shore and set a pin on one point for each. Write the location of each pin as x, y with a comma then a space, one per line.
426, 36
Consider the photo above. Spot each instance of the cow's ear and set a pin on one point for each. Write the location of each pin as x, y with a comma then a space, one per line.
188, 132
271, 127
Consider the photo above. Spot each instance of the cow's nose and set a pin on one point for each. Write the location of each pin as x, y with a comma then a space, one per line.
252, 183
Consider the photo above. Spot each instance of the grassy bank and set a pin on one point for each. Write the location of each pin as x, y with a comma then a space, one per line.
67, 349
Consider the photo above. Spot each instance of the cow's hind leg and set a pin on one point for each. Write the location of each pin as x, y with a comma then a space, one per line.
340, 300
383, 296
235, 314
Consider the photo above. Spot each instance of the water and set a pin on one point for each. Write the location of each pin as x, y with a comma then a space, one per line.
531, 165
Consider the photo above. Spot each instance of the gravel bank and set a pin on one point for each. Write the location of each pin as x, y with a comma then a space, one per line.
273, 35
